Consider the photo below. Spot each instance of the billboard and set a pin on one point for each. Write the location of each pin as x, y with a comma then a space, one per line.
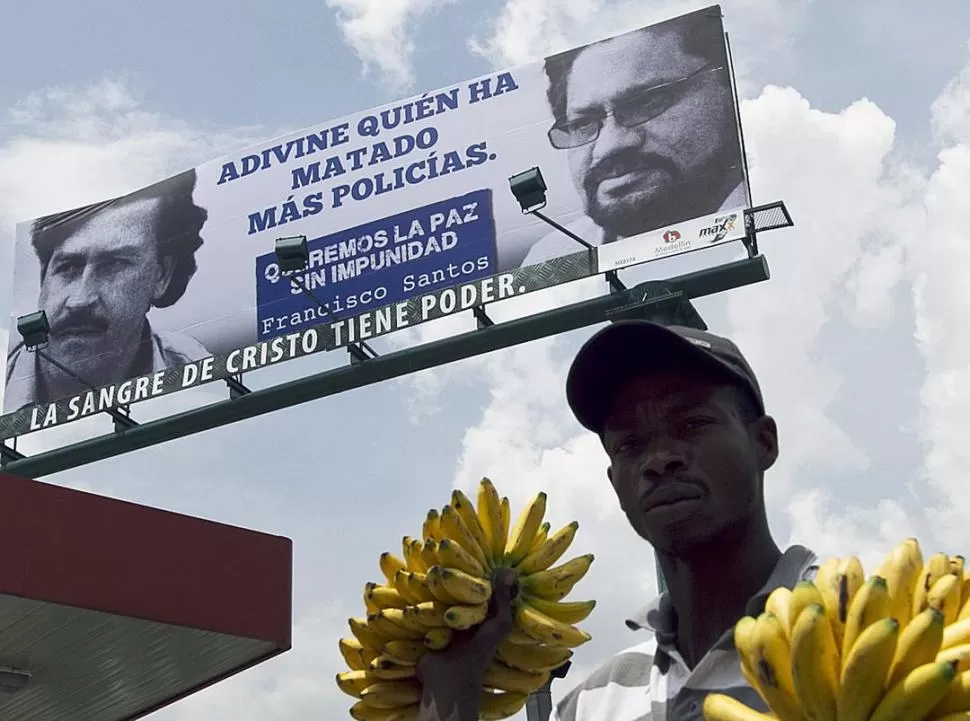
408, 216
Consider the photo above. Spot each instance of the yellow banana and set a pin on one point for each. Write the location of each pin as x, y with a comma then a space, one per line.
361, 711
451, 555
957, 699
555, 583
827, 581
523, 534
363, 632
386, 668
804, 594
506, 509
462, 617
778, 604
957, 564
429, 553
815, 663
431, 530
417, 585
915, 696
400, 617
466, 511
369, 604
918, 644
411, 548
721, 707
936, 566
565, 611
384, 597
430, 614
400, 583
771, 666
390, 565
437, 587
850, 579
438, 638
871, 603
956, 634
548, 630
489, 513
531, 658
352, 651
944, 596
503, 678
542, 535
959, 655
388, 629
455, 529
542, 557
391, 694
864, 670
901, 569
465, 588
965, 609
498, 706
405, 653
353, 683
744, 640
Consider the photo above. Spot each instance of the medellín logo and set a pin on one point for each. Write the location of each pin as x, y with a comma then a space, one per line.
723, 224
671, 236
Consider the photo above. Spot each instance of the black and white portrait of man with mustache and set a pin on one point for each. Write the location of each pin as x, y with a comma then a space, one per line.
648, 122
102, 268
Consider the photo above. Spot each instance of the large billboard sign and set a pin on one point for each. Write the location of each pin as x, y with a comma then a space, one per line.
408, 216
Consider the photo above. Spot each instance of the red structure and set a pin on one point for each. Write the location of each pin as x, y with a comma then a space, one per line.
110, 610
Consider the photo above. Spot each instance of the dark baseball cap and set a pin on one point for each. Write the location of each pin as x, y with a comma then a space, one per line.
611, 356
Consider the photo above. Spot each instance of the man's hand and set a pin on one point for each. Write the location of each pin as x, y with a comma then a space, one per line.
452, 679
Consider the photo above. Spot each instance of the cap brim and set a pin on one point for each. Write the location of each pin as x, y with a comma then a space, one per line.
612, 355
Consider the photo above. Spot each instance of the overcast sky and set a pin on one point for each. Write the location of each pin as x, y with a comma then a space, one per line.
857, 115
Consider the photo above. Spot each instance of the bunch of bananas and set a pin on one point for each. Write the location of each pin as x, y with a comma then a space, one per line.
442, 583
891, 647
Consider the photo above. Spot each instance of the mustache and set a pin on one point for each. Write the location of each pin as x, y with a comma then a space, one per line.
627, 161
82, 321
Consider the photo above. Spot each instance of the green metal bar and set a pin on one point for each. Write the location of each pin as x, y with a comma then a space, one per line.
392, 365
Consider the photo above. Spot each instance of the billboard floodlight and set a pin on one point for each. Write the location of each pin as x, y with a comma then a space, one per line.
291, 253
35, 329
529, 188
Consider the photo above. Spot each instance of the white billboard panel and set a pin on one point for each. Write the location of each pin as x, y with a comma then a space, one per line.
408, 215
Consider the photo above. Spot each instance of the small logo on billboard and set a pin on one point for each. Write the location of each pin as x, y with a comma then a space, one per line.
671, 236
723, 224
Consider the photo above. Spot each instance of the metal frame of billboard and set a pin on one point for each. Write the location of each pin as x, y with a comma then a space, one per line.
639, 301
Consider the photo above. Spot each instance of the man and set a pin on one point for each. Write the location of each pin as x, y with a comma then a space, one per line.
682, 420
102, 268
648, 122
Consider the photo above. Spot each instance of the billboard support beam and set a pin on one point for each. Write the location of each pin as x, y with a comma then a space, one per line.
482, 317
236, 387
709, 281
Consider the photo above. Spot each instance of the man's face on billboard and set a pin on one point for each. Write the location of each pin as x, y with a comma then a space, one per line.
99, 286
628, 176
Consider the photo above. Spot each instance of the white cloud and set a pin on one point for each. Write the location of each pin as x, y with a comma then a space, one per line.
380, 32
528, 30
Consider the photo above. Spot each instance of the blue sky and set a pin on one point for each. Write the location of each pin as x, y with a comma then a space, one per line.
856, 114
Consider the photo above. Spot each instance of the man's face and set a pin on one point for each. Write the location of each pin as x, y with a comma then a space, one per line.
99, 286
631, 178
684, 463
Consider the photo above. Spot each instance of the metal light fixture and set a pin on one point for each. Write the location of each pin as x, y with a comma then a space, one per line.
292, 253
529, 188
13, 680
35, 329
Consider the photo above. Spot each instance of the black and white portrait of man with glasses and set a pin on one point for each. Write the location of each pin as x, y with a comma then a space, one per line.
649, 125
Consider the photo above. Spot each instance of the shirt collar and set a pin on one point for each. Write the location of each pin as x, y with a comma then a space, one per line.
660, 618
